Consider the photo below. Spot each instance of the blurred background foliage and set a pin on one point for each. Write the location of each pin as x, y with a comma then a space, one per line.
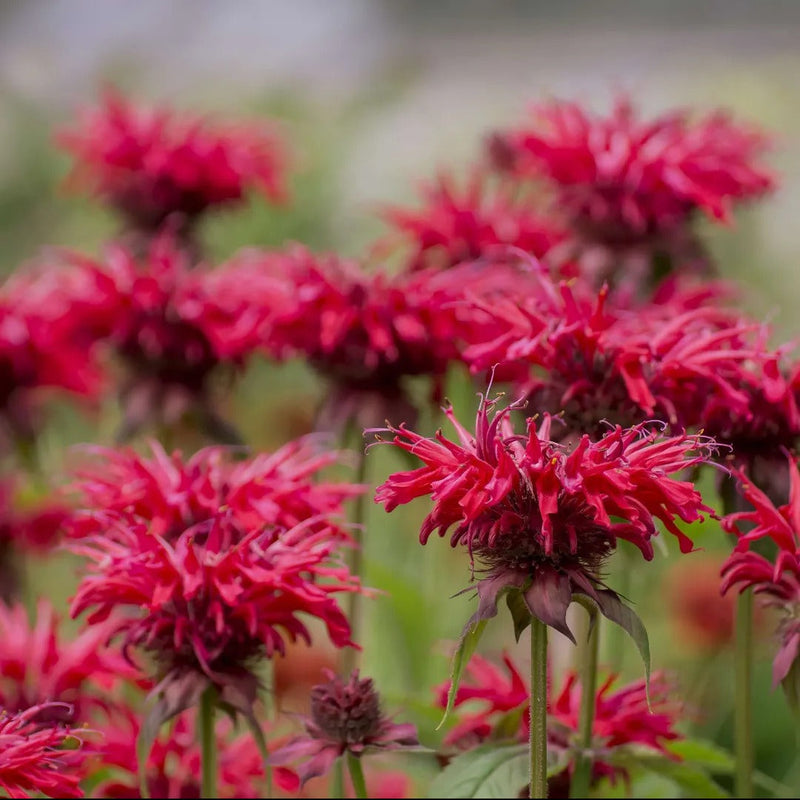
374, 96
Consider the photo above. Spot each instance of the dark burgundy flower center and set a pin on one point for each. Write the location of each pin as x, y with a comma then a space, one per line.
347, 712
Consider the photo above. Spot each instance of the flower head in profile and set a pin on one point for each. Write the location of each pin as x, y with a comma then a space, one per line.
39, 665
367, 333
346, 717
172, 325
622, 717
38, 755
777, 580
620, 177
457, 224
150, 163
581, 354
539, 518
174, 765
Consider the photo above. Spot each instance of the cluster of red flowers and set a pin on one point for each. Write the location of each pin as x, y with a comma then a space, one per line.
623, 717
558, 267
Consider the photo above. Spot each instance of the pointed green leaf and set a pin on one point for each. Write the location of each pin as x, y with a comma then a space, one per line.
466, 647
520, 613
612, 607
486, 771
704, 754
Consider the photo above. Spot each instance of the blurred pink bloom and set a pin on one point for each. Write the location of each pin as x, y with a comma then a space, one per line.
38, 757
152, 163
458, 224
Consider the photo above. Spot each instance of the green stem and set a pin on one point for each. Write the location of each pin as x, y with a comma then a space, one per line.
582, 777
743, 709
357, 774
538, 740
208, 743
355, 609
337, 787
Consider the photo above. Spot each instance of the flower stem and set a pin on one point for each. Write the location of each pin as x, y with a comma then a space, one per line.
350, 655
582, 776
357, 774
538, 740
743, 709
208, 743
337, 786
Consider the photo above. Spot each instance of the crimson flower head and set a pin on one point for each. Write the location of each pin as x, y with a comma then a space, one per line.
42, 346
539, 518
456, 224
172, 325
40, 666
150, 163
38, 756
622, 716
366, 332
578, 353
620, 177
346, 717
776, 580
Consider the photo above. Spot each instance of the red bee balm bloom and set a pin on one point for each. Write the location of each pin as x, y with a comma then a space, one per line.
621, 178
38, 666
462, 225
345, 718
622, 716
778, 583
539, 517
173, 325
218, 559
33, 756
150, 163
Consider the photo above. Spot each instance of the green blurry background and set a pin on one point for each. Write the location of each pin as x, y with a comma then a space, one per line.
374, 95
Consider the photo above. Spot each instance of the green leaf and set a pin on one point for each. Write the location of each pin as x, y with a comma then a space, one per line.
612, 607
704, 754
520, 613
486, 771
466, 647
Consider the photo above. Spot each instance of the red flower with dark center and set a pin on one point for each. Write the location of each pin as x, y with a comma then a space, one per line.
43, 345
37, 756
463, 224
172, 324
540, 518
174, 765
345, 718
39, 666
151, 163
619, 178
576, 354
778, 581
366, 332
622, 717
212, 599
277, 490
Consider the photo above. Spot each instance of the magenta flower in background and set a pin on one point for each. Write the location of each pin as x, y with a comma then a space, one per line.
622, 716
540, 518
173, 326
39, 665
367, 333
38, 756
346, 717
776, 580
620, 177
457, 224
151, 163
174, 765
